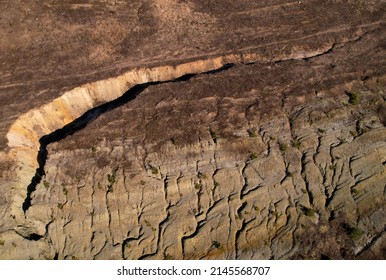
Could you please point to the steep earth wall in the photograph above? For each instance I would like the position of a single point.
(230, 133)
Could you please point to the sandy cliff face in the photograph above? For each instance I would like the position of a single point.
(25, 134)
(250, 172)
(271, 149)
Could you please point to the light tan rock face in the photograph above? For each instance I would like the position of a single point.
(280, 156)
(238, 174)
(25, 134)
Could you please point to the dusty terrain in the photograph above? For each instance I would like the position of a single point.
(258, 131)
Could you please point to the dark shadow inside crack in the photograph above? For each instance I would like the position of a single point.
(70, 129)
(89, 117)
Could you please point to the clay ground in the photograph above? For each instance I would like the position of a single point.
(282, 158)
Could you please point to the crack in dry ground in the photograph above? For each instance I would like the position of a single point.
(246, 224)
(87, 118)
(92, 114)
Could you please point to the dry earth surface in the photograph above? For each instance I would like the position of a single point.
(246, 129)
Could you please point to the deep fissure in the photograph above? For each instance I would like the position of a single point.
(89, 117)
(94, 113)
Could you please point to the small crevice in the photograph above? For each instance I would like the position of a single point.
(34, 237)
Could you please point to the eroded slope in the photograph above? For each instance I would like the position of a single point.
(226, 165)
(245, 163)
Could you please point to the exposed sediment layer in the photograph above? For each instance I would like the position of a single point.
(25, 134)
(259, 164)
(253, 173)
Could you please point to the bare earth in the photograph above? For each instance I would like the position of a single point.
(259, 132)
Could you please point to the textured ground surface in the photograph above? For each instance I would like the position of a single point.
(280, 158)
